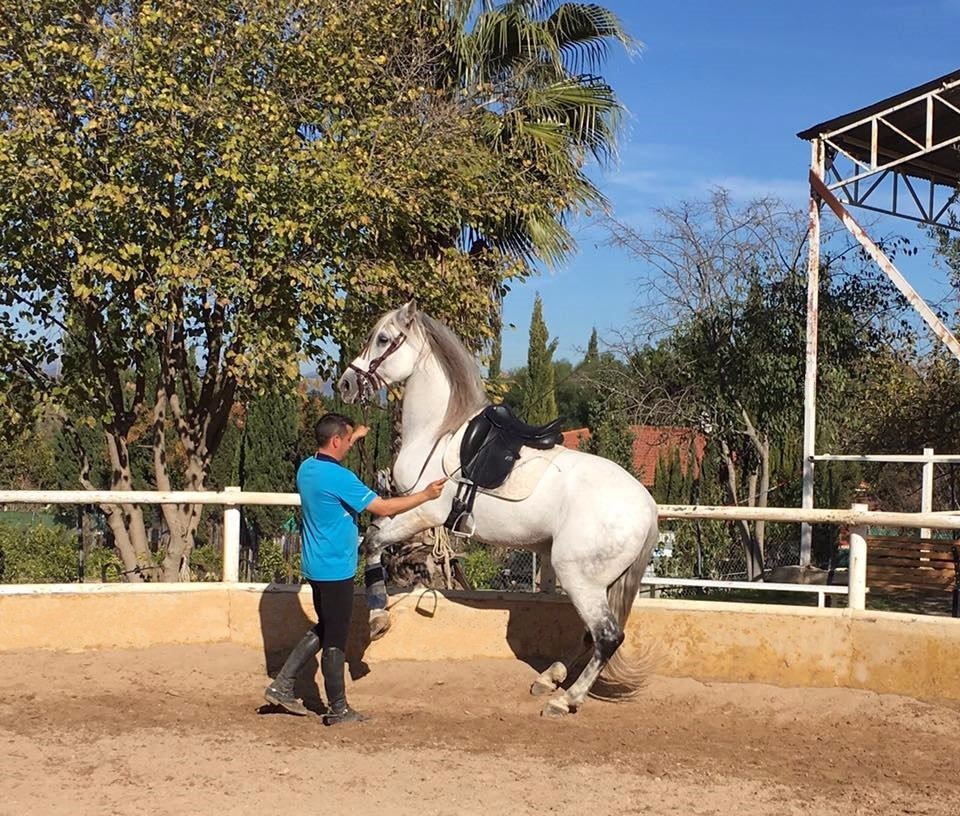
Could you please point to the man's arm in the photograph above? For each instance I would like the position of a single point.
(400, 504)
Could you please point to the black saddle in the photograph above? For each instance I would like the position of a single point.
(490, 447)
(541, 437)
(491, 444)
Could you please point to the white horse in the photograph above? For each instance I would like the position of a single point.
(595, 521)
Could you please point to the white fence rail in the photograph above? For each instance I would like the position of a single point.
(858, 517)
(821, 590)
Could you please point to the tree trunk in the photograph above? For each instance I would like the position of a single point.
(125, 520)
(754, 556)
(121, 539)
(763, 493)
(182, 521)
(761, 444)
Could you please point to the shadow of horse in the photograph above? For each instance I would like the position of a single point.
(540, 627)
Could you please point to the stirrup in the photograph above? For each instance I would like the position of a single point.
(466, 517)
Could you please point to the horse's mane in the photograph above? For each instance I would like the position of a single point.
(467, 396)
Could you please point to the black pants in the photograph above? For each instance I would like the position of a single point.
(333, 602)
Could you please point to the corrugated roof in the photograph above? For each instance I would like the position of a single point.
(942, 166)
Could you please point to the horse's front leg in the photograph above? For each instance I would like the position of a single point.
(386, 531)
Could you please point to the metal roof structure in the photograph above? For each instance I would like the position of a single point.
(901, 157)
(911, 140)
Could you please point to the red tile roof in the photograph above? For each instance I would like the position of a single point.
(650, 444)
(576, 439)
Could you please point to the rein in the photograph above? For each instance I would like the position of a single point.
(426, 461)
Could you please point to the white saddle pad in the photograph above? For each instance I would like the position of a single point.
(529, 469)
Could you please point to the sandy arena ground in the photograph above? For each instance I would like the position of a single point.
(181, 730)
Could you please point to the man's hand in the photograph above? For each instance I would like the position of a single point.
(434, 489)
(358, 433)
(401, 504)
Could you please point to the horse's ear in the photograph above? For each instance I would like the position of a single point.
(407, 313)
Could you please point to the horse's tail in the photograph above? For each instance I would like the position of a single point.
(625, 675)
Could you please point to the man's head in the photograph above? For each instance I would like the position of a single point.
(333, 432)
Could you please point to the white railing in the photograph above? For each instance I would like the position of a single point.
(857, 517)
(821, 590)
(927, 460)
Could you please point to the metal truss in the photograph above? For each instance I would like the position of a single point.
(889, 173)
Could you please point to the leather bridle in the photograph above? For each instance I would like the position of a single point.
(370, 375)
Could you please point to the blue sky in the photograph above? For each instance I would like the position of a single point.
(716, 99)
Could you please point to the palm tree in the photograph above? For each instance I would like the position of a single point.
(530, 68)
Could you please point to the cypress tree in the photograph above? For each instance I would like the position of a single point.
(496, 356)
(593, 349)
(539, 404)
(268, 461)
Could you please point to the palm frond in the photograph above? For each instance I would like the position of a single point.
(584, 33)
(586, 107)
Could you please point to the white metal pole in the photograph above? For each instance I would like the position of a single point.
(857, 580)
(810, 373)
(231, 541)
(926, 491)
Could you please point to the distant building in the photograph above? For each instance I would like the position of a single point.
(651, 443)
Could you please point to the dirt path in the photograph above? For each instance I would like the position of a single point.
(179, 730)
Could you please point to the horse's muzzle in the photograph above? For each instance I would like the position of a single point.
(349, 386)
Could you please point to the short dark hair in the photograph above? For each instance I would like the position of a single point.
(331, 425)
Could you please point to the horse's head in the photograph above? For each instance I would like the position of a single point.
(388, 357)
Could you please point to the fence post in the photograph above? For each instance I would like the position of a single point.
(926, 491)
(231, 540)
(857, 580)
(547, 577)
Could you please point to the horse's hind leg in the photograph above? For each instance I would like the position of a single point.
(550, 680)
(607, 636)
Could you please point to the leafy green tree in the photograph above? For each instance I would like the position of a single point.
(611, 436)
(730, 312)
(199, 196)
(496, 358)
(539, 400)
(543, 105)
(592, 356)
(312, 407)
(37, 555)
(28, 461)
(269, 457)
(528, 74)
(225, 465)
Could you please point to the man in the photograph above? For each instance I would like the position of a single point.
(331, 497)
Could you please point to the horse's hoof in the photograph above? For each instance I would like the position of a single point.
(555, 708)
(542, 686)
(557, 672)
(379, 624)
(549, 681)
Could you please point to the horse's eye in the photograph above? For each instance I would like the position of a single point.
(383, 339)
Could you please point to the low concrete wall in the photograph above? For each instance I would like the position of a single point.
(107, 616)
(791, 646)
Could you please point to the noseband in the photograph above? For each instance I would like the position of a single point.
(370, 376)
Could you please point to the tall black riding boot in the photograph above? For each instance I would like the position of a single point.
(280, 691)
(331, 664)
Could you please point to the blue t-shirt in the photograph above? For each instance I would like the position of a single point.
(331, 497)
